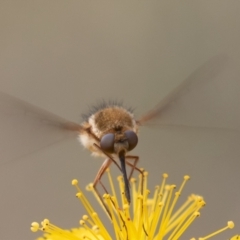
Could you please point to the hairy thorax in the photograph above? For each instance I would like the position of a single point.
(110, 119)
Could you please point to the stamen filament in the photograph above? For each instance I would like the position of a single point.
(230, 225)
(149, 219)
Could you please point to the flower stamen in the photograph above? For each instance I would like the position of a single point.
(149, 219)
(230, 225)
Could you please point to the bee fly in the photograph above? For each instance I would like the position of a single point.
(111, 130)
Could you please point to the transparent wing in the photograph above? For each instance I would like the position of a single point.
(25, 128)
(201, 101)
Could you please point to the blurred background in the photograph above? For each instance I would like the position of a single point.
(64, 56)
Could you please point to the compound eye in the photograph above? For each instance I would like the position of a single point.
(132, 139)
(107, 143)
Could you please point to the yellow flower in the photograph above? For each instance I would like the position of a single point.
(152, 218)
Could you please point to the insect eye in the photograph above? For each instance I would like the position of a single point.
(132, 139)
(107, 143)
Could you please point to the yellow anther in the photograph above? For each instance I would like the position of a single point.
(165, 175)
(89, 187)
(145, 173)
(140, 196)
(177, 194)
(106, 196)
(186, 177)
(236, 237)
(132, 180)
(94, 214)
(46, 221)
(230, 224)
(35, 224)
(82, 222)
(196, 214)
(160, 204)
(119, 178)
(78, 195)
(95, 228)
(34, 227)
(74, 182)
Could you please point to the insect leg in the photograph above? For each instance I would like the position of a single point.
(109, 156)
(99, 175)
(97, 180)
(101, 171)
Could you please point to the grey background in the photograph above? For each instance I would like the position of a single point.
(64, 56)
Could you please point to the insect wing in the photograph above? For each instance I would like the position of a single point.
(26, 128)
(200, 101)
